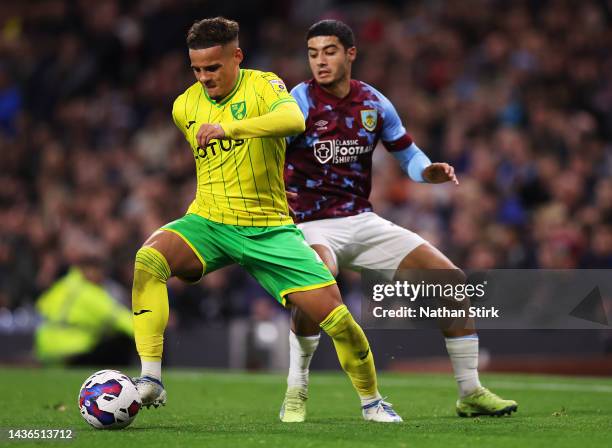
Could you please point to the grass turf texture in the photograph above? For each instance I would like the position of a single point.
(219, 409)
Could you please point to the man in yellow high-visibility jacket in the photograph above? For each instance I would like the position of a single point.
(83, 323)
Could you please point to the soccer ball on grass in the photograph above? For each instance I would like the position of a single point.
(109, 400)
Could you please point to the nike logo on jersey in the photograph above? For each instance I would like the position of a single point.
(138, 313)
(189, 124)
(366, 354)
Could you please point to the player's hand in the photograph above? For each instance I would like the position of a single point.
(207, 132)
(291, 195)
(438, 173)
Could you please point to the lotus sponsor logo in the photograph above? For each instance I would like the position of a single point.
(340, 151)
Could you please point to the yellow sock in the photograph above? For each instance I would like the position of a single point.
(353, 350)
(150, 303)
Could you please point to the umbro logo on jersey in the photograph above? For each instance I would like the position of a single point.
(190, 124)
(321, 125)
(138, 313)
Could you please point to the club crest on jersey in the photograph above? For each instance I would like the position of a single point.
(369, 119)
(324, 151)
(238, 110)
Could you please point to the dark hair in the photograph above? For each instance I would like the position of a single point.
(212, 32)
(333, 28)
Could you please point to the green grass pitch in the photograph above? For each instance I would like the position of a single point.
(227, 409)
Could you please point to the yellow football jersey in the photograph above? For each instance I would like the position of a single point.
(240, 181)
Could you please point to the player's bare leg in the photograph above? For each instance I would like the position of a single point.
(301, 324)
(324, 307)
(461, 345)
(328, 258)
(163, 255)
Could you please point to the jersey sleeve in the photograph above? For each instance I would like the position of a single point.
(178, 113)
(413, 161)
(283, 121)
(300, 93)
(394, 136)
(272, 91)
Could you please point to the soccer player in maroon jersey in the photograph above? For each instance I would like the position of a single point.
(328, 179)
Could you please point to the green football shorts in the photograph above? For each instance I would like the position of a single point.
(278, 257)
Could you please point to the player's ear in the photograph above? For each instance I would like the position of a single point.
(238, 55)
(352, 54)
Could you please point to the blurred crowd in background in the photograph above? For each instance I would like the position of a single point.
(516, 95)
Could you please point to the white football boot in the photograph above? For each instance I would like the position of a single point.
(380, 411)
(151, 391)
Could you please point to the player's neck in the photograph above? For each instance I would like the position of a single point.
(338, 89)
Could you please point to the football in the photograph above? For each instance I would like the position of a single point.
(109, 400)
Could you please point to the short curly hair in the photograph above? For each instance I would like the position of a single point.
(211, 32)
(333, 28)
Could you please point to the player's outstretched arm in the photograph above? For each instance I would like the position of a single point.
(419, 168)
(413, 161)
(285, 120)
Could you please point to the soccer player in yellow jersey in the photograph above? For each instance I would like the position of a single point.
(236, 121)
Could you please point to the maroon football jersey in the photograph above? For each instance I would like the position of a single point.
(329, 166)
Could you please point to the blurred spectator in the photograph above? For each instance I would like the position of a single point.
(517, 95)
(82, 323)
